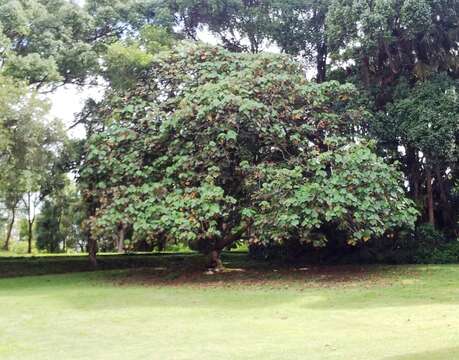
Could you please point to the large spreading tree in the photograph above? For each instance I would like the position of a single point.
(212, 147)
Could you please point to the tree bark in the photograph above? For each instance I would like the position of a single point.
(121, 236)
(365, 68)
(30, 220)
(29, 237)
(430, 200)
(64, 241)
(215, 261)
(10, 229)
(321, 62)
(413, 171)
(92, 251)
(444, 210)
(91, 242)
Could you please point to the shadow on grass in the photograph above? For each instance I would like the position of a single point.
(318, 287)
(328, 287)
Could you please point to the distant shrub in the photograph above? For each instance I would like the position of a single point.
(445, 254)
(179, 248)
(426, 245)
(21, 247)
(428, 236)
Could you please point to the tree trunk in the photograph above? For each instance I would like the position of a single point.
(444, 210)
(91, 242)
(430, 201)
(64, 238)
(29, 237)
(413, 171)
(215, 262)
(9, 231)
(30, 219)
(92, 250)
(321, 62)
(121, 236)
(365, 69)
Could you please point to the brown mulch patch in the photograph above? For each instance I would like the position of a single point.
(346, 276)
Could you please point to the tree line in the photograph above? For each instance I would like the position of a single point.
(210, 145)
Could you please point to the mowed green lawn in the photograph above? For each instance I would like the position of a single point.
(393, 313)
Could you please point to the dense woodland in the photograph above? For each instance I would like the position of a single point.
(319, 129)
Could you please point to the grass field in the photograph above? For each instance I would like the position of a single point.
(177, 312)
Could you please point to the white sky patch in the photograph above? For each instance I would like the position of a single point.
(204, 35)
(68, 101)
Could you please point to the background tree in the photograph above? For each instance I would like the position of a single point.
(55, 42)
(30, 146)
(390, 40)
(404, 57)
(296, 27)
(49, 235)
(127, 59)
(19, 111)
(425, 121)
(59, 224)
(46, 44)
(23, 227)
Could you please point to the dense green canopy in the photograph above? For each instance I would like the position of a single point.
(52, 42)
(213, 146)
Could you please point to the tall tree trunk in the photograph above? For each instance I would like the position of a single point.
(10, 229)
(92, 250)
(365, 69)
(30, 221)
(64, 237)
(121, 236)
(430, 200)
(445, 209)
(91, 242)
(413, 171)
(321, 62)
(29, 237)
